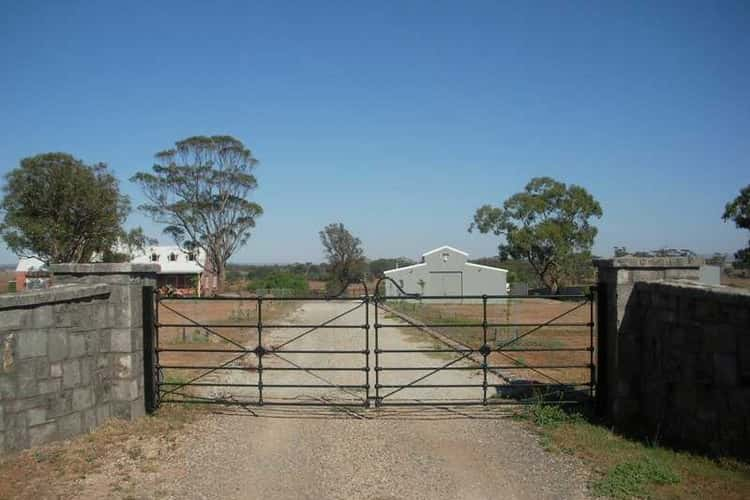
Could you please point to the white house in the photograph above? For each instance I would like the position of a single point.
(180, 270)
(26, 271)
(445, 272)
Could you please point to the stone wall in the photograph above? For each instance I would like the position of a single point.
(674, 355)
(72, 354)
(616, 279)
(684, 374)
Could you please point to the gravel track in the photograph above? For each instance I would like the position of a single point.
(432, 452)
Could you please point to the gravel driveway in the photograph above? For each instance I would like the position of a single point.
(432, 452)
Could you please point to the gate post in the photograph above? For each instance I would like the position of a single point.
(149, 359)
(603, 291)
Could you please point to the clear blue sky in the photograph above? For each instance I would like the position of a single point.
(401, 118)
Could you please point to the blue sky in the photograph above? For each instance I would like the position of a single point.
(401, 118)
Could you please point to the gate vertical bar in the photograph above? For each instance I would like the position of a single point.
(149, 366)
(259, 351)
(592, 369)
(485, 349)
(157, 348)
(367, 350)
(602, 322)
(377, 354)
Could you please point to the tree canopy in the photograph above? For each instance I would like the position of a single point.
(377, 267)
(738, 210)
(343, 251)
(59, 209)
(200, 189)
(548, 224)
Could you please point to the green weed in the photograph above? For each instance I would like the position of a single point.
(634, 478)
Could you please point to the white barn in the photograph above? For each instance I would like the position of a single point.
(444, 272)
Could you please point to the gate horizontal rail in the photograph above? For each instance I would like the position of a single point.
(541, 379)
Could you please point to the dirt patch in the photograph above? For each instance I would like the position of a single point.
(210, 324)
(522, 345)
(5, 277)
(120, 454)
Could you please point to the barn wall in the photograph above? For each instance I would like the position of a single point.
(437, 275)
(484, 281)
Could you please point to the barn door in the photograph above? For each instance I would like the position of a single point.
(450, 284)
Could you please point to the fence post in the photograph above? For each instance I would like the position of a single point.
(149, 367)
(602, 368)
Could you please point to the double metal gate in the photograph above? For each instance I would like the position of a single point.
(385, 350)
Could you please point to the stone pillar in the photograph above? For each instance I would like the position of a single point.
(616, 278)
(125, 322)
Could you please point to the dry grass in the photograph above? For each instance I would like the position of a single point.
(5, 277)
(517, 340)
(199, 316)
(735, 281)
(51, 471)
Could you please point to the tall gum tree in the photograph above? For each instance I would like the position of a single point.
(548, 224)
(200, 189)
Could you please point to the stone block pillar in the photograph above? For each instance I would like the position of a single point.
(616, 279)
(125, 324)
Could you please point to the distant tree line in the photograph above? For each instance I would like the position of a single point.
(373, 269)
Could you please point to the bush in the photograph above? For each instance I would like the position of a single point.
(548, 415)
(281, 280)
(633, 478)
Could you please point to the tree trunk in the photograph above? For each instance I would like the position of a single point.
(220, 270)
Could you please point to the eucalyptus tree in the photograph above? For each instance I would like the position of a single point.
(345, 256)
(59, 209)
(200, 189)
(548, 224)
(738, 211)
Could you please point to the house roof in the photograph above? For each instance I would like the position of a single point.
(181, 264)
(27, 264)
(445, 247)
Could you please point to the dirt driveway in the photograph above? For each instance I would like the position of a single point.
(432, 452)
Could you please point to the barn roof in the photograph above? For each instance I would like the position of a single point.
(486, 267)
(445, 247)
(404, 268)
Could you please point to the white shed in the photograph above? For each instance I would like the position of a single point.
(445, 272)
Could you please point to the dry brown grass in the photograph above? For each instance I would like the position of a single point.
(51, 471)
(199, 316)
(516, 353)
(735, 281)
(5, 277)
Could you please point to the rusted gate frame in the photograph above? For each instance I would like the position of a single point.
(166, 389)
(157, 391)
(465, 351)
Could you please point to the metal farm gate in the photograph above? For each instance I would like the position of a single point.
(370, 350)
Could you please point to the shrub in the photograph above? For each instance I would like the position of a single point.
(632, 478)
(281, 280)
